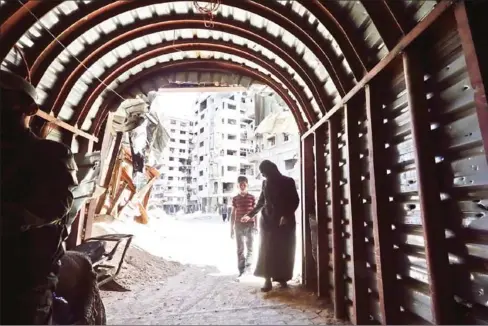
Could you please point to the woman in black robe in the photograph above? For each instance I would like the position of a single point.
(278, 202)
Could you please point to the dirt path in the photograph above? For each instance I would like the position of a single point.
(198, 296)
(201, 286)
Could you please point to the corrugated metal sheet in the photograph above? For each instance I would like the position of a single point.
(89, 80)
(350, 196)
(462, 173)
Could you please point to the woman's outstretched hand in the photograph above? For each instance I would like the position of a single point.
(245, 219)
(282, 221)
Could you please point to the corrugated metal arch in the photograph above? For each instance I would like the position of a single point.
(309, 78)
(194, 45)
(285, 19)
(110, 103)
(324, 29)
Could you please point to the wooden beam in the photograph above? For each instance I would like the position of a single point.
(46, 116)
(108, 165)
(75, 236)
(420, 28)
(337, 240)
(321, 213)
(355, 213)
(90, 217)
(433, 223)
(382, 233)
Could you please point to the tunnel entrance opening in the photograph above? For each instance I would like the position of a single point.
(190, 198)
(389, 99)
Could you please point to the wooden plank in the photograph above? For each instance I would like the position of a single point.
(109, 162)
(76, 231)
(116, 200)
(420, 28)
(355, 214)
(308, 207)
(46, 116)
(321, 213)
(385, 272)
(337, 243)
(433, 224)
(90, 217)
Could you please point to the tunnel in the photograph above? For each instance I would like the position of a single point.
(389, 98)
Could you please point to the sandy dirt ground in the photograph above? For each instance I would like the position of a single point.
(182, 270)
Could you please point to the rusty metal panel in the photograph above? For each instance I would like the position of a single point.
(308, 208)
(357, 204)
(339, 249)
(462, 172)
(322, 241)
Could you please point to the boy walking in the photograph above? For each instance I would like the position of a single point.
(242, 226)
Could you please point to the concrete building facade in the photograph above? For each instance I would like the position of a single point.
(224, 123)
(172, 188)
(210, 149)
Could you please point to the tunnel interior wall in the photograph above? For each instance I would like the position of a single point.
(400, 187)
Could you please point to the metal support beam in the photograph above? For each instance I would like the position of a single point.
(321, 215)
(308, 207)
(339, 24)
(383, 244)
(390, 30)
(65, 125)
(337, 240)
(355, 213)
(433, 224)
(418, 30)
(470, 24)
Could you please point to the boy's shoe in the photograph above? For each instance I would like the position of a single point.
(247, 269)
(268, 286)
(241, 273)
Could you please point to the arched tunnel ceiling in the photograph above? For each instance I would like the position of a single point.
(84, 56)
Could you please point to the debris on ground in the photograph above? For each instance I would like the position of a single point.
(139, 268)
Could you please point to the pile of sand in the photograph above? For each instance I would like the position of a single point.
(139, 268)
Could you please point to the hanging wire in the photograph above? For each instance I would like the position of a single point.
(26, 65)
(69, 52)
(209, 10)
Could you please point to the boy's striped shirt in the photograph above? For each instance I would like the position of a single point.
(243, 204)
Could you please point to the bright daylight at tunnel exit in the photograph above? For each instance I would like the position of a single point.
(293, 162)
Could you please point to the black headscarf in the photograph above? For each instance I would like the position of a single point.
(269, 170)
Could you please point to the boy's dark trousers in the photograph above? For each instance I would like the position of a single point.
(244, 238)
(224, 217)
